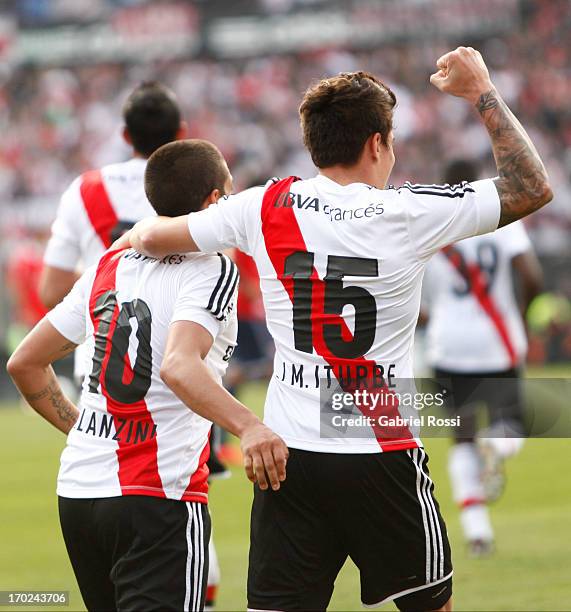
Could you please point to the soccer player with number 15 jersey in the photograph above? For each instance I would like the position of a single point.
(341, 260)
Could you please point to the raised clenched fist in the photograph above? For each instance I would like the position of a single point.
(462, 73)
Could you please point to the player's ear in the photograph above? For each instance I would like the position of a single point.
(375, 145)
(212, 198)
(127, 136)
(182, 131)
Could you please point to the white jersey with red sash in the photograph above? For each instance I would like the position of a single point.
(96, 209)
(341, 271)
(134, 436)
(475, 323)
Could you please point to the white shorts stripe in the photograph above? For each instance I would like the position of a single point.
(189, 557)
(201, 559)
(438, 528)
(196, 564)
(431, 518)
(196, 560)
(414, 456)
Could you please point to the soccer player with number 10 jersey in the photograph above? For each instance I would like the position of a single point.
(158, 335)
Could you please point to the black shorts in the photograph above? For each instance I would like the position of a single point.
(377, 509)
(137, 553)
(499, 392)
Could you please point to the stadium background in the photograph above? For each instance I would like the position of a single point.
(239, 69)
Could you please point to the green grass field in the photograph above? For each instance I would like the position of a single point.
(530, 571)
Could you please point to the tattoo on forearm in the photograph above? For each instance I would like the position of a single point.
(62, 405)
(34, 397)
(487, 101)
(68, 346)
(64, 408)
(522, 184)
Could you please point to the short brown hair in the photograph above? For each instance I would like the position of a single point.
(181, 175)
(339, 114)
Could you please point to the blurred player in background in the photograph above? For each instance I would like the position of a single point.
(476, 339)
(100, 205)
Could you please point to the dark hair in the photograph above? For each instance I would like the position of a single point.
(182, 174)
(461, 170)
(339, 114)
(152, 117)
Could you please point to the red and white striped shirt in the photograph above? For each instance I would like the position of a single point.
(341, 270)
(475, 322)
(134, 436)
(96, 209)
(97, 205)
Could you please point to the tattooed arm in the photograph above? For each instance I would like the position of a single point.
(522, 182)
(30, 368)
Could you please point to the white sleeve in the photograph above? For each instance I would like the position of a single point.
(208, 292)
(69, 317)
(234, 221)
(514, 239)
(439, 215)
(64, 247)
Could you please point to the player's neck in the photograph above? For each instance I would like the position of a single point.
(359, 173)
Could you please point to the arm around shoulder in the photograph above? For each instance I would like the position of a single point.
(161, 236)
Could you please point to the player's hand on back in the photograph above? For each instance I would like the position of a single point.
(265, 456)
(462, 73)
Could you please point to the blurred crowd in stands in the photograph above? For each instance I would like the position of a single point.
(58, 122)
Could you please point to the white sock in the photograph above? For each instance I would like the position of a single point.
(476, 524)
(465, 469)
